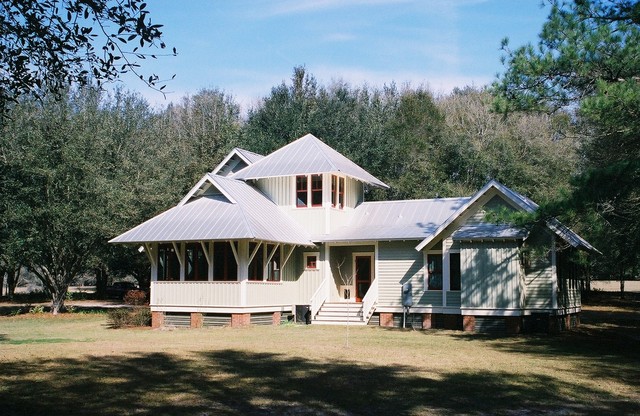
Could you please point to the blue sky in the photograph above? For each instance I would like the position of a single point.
(247, 47)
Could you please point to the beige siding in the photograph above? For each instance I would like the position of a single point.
(399, 262)
(195, 293)
(453, 298)
(429, 298)
(490, 275)
(302, 283)
(540, 279)
(539, 283)
(496, 203)
(354, 192)
(313, 219)
(277, 189)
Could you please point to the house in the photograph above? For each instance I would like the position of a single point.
(261, 238)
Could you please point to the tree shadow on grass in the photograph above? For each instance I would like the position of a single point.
(605, 347)
(232, 382)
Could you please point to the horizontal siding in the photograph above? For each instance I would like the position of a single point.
(453, 298)
(430, 298)
(539, 284)
(490, 275)
(399, 262)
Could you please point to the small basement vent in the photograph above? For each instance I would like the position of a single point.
(215, 320)
(177, 319)
(261, 319)
(375, 320)
(491, 325)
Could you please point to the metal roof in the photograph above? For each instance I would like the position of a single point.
(229, 209)
(519, 200)
(489, 231)
(305, 156)
(236, 159)
(395, 220)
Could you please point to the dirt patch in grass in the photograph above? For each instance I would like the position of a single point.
(75, 365)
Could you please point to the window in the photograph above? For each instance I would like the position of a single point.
(316, 190)
(224, 263)
(301, 191)
(168, 264)
(434, 271)
(337, 192)
(311, 261)
(334, 190)
(196, 266)
(454, 271)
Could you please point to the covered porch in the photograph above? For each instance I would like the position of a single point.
(350, 277)
(222, 276)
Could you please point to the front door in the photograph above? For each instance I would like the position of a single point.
(363, 264)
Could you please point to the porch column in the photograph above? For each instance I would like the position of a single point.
(152, 252)
(210, 270)
(243, 269)
(327, 270)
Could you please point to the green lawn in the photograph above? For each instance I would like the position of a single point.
(73, 364)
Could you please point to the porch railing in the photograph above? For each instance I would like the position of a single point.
(369, 301)
(195, 293)
(319, 297)
(224, 294)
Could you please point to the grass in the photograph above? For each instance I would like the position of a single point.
(73, 364)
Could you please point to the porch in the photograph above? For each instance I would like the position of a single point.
(348, 292)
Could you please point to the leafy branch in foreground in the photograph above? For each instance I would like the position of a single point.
(49, 45)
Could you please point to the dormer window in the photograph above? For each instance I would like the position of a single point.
(301, 191)
(316, 190)
(309, 188)
(337, 192)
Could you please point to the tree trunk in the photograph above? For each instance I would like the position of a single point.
(101, 282)
(621, 282)
(13, 276)
(57, 302)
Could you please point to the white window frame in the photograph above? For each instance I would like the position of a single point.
(315, 254)
(426, 270)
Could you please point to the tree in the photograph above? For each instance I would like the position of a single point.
(535, 153)
(587, 60)
(49, 45)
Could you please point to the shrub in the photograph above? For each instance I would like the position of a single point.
(135, 297)
(125, 317)
(38, 309)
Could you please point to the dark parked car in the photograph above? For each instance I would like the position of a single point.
(119, 289)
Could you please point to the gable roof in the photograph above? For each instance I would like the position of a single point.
(236, 159)
(305, 156)
(395, 220)
(518, 200)
(226, 209)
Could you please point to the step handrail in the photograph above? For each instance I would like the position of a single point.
(369, 301)
(319, 297)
